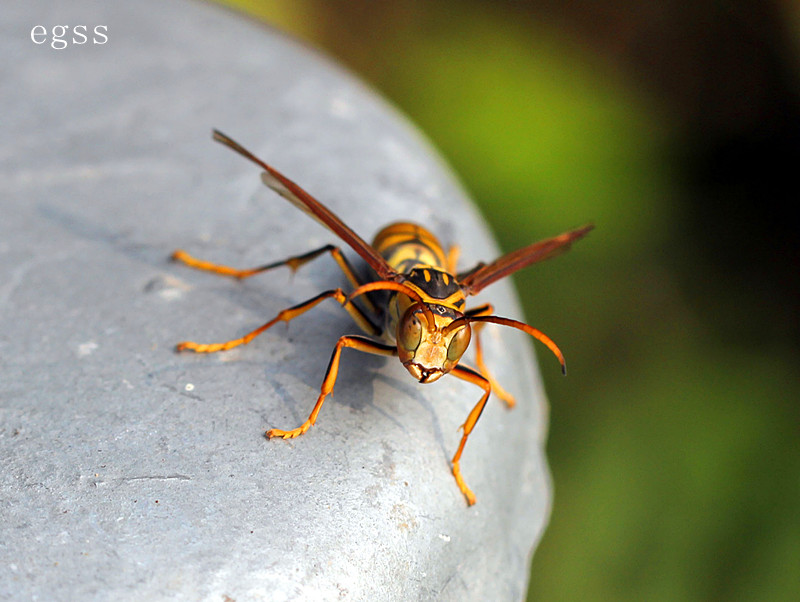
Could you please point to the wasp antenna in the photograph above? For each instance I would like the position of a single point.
(386, 285)
(457, 323)
(389, 285)
(428, 315)
(526, 328)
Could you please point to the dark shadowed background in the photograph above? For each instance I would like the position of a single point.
(675, 128)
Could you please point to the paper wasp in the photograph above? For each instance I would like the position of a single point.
(421, 318)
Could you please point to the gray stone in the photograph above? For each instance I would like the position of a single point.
(132, 472)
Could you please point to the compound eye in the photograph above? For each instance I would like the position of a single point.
(459, 343)
(410, 332)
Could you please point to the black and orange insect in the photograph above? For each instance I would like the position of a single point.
(421, 317)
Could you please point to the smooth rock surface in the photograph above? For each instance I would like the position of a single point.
(132, 472)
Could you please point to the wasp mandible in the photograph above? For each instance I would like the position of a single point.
(421, 318)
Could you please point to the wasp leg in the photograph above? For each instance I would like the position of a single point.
(360, 317)
(452, 258)
(472, 376)
(292, 263)
(485, 310)
(354, 342)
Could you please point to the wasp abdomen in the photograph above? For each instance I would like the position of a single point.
(405, 246)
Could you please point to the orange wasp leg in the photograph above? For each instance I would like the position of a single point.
(452, 258)
(285, 316)
(293, 263)
(486, 310)
(471, 376)
(354, 342)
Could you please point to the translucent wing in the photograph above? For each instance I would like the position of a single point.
(484, 275)
(308, 204)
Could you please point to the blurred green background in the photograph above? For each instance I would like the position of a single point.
(675, 128)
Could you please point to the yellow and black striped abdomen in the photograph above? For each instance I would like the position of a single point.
(406, 246)
(417, 254)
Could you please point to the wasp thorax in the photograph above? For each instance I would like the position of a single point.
(426, 345)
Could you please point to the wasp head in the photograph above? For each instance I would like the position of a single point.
(431, 340)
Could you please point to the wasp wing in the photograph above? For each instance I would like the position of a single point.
(308, 204)
(484, 275)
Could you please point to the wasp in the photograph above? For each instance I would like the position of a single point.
(413, 308)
